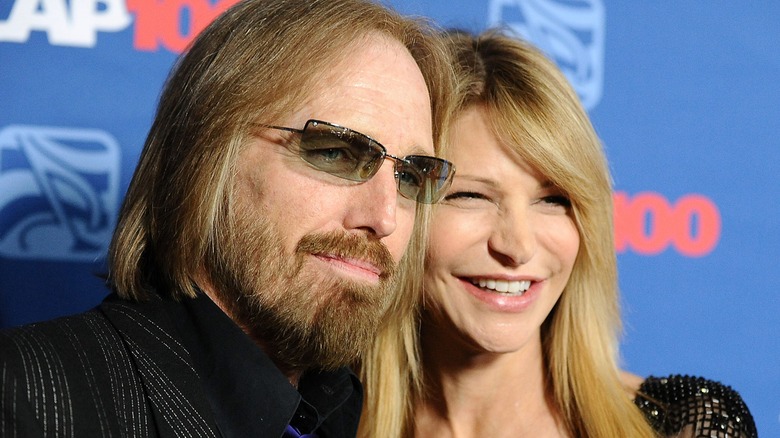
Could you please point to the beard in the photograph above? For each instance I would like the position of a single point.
(302, 317)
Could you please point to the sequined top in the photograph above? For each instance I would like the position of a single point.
(691, 407)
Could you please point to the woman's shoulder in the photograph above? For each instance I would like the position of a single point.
(681, 404)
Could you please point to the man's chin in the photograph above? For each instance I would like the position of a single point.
(345, 326)
(330, 330)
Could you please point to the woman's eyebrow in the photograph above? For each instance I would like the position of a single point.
(478, 179)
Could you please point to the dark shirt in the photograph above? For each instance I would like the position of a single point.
(249, 395)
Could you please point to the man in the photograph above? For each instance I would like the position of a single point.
(262, 238)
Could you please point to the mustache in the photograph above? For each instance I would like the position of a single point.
(349, 246)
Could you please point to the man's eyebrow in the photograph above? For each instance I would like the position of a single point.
(418, 150)
(415, 149)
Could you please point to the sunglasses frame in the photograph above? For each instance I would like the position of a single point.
(429, 191)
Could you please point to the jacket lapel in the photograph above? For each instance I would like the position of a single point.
(171, 384)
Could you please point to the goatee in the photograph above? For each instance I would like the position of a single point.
(303, 317)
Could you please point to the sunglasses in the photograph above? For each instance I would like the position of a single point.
(351, 155)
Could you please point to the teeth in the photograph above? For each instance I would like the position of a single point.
(503, 286)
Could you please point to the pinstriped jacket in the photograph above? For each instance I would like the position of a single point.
(137, 380)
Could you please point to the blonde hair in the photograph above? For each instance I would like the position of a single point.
(255, 63)
(533, 109)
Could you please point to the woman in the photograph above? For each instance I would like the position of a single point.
(519, 323)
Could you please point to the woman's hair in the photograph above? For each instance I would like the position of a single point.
(532, 109)
(258, 62)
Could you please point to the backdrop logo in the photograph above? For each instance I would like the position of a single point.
(172, 23)
(169, 24)
(648, 224)
(59, 191)
(571, 32)
(66, 23)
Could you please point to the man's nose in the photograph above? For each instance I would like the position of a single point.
(374, 204)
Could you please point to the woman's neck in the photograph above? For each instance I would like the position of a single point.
(477, 393)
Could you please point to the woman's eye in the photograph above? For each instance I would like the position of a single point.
(464, 195)
(557, 200)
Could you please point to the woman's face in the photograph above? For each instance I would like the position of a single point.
(502, 246)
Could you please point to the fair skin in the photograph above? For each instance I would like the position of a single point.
(377, 90)
(501, 226)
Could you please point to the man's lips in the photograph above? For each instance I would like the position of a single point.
(358, 267)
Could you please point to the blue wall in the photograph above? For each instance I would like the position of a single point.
(683, 93)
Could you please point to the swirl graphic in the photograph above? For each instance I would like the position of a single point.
(59, 190)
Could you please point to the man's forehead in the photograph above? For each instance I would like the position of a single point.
(378, 91)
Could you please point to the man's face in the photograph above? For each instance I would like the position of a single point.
(310, 266)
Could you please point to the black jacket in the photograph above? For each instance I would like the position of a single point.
(123, 369)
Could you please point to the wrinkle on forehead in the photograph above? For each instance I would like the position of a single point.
(367, 89)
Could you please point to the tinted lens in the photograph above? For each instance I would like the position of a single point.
(340, 151)
(424, 179)
(354, 156)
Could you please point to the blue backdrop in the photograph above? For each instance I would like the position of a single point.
(683, 93)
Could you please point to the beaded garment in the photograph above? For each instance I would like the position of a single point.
(692, 407)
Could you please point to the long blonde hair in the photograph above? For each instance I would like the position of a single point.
(256, 63)
(533, 109)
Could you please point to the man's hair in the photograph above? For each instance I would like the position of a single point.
(255, 63)
(533, 110)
